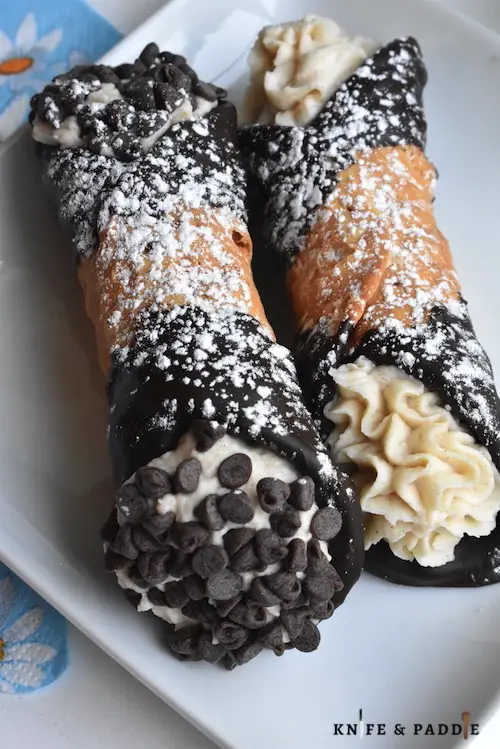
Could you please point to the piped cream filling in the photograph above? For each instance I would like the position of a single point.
(295, 68)
(424, 483)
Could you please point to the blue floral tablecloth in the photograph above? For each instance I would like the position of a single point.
(38, 40)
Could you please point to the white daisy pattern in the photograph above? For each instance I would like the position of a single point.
(25, 67)
(34, 48)
(26, 663)
(24, 62)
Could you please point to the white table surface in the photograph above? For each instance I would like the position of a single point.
(97, 704)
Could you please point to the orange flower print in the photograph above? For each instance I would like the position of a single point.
(24, 68)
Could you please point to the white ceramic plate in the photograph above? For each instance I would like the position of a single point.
(402, 655)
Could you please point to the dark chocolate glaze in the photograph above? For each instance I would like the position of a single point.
(188, 363)
(90, 187)
(151, 407)
(149, 90)
(296, 168)
(461, 374)
(289, 162)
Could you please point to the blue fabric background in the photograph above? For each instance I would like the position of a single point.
(33, 644)
(86, 36)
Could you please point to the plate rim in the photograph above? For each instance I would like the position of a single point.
(11, 549)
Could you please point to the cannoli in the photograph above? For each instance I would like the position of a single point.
(399, 386)
(230, 522)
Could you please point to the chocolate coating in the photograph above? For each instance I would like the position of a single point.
(388, 89)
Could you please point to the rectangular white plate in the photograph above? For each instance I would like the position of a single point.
(402, 655)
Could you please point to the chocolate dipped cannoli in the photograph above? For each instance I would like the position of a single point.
(400, 388)
(230, 523)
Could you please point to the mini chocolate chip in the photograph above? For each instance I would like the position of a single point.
(90, 79)
(322, 585)
(149, 54)
(236, 506)
(271, 637)
(136, 578)
(236, 539)
(316, 559)
(180, 564)
(144, 541)
(247, 652)
(235, 470)
(284, 584)
(272, 494)
(123, 543)
(166, 97)
(85, 118)
(187, 475)
(188, 70)
(156, 72)
(139, 92)
(121, 116)
(133, 597)
(147, 123)
(230, 635)
(105, 74)
(297, 555)
(185, 641)
(131, 504)
(245, 559)
(208, 513)
(326, 523)
(220, 92)
(114, 561)
(157, 597)
(201, 611)
(194, 587)
(250, 615)
(209, 651)
(302, 493)
(175, 595)
(260, 593)
(110, 528)
(171, 57)
(293, 621)
(224, 585)
(324, 610)
(189, 536)
(50, 113)
(270, 547)
(209, 560)
(126, 147)
(95, 144)
(206, 434)
(229, 662)
(124, 71)
(159, 525)
(293, 601)
(98, 129)
(286, 523)
(205, 90)
(224, 607)
(177, 78)
(153, 567)
(309, 638)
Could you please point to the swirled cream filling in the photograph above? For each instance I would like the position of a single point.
(295, 68)
(424, 483)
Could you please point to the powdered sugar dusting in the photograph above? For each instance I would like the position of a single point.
(297, 167)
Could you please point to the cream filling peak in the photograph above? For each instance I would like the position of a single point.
(69, 135)
(264, 463)
(424, 483)
(295, 68)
